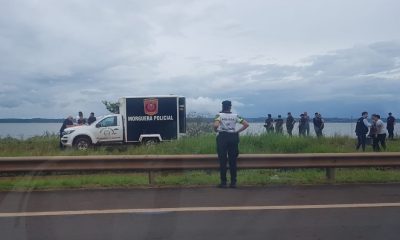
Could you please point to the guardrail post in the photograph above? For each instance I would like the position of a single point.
(330, 174)
(152, 177)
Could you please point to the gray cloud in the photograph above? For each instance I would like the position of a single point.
(60, 57)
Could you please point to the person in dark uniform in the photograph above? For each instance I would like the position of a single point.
(290, 123)
(81, 120)
(362, 128)
(318, 124)
(390, 122)
(269, 124)
(91, 118)
(306, 119)
(279, 125)
(68, 122)
(228, 141)
(302, 125)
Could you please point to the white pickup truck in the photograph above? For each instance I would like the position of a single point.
(141, 120)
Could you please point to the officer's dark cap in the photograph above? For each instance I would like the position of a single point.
(227, 103)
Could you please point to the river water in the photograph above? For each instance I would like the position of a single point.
(26, 130)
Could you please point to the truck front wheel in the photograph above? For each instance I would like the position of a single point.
(82, 143)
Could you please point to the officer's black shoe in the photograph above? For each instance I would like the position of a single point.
(222, 185)
(233, 185)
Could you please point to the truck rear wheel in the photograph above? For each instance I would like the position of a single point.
(82, 143)
(150, 141)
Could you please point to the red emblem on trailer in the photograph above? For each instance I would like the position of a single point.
(151, 106)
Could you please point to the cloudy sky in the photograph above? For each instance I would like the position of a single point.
(338, 57)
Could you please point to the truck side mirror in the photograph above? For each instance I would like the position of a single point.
(98, 125)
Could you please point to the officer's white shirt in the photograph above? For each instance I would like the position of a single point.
(380, 127)
(228, 122)
(366, 123)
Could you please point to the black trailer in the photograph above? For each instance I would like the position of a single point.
(161, 118)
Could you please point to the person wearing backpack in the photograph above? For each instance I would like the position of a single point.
(362, 128)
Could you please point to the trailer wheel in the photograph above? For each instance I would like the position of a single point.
(82, 143)
(150, 141)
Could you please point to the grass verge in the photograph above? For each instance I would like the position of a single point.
(196, 178)
(204, 144)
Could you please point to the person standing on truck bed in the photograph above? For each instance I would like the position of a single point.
(228, 142)
(68, 122)
(80, 120)
(91, 118)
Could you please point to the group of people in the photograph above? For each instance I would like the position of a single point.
(375, 131)
(228, 135)
(276, 125)
(80, 120)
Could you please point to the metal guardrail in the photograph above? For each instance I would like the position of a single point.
(151, 163)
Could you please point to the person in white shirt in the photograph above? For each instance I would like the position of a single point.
(380, 136)
(228, 141)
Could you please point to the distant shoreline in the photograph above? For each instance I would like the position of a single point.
(30, 120)
(253, 120)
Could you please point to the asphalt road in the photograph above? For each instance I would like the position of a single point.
(199, 213)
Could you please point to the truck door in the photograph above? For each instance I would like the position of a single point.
(109, 130)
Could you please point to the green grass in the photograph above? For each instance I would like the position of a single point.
(205, 144)
(196, 178)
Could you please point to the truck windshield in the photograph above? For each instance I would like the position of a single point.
(108, 122)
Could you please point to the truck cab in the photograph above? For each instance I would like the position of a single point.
(108, 129)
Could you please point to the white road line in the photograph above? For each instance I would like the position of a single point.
(196, 209)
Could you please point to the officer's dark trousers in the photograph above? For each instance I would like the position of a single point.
(228, 151)
(362, 139)
(380, 138)
(289, 130)
(391, 132)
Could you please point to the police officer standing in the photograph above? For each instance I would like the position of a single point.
(362, 128)
(228, 141)
(279, 125)
(390, 122)
(318, 124)
(269, 124)
(290, 123)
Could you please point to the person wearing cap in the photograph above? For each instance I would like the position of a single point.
(228, 141)
(269, 124)
(68, 122)
(290, 123)
(318, 124)
(91, 118)
(390, 122)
